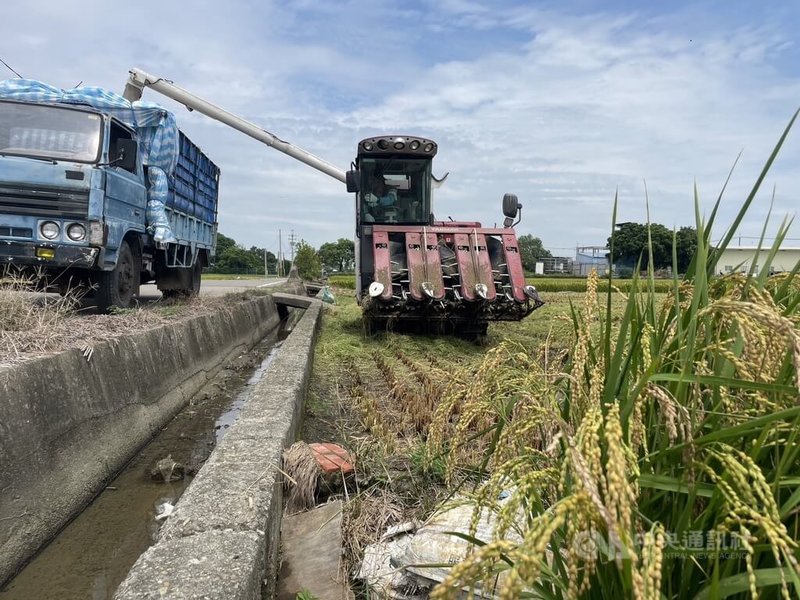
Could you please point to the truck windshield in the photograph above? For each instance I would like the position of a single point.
(43, 131)
(395, 190)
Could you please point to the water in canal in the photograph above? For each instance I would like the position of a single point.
(93, 554)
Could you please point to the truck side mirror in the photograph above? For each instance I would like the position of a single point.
(352, 181)
(127, 150)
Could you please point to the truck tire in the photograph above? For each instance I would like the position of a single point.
(119, 286)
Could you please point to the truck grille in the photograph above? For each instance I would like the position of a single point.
(44, 202)
(22, 232)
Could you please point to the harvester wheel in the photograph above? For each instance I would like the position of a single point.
(472, 331)
(374, 325)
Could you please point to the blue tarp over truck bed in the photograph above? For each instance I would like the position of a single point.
(193, 191)
(180, 176)
(194, 188)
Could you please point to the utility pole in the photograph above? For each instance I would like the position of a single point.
(280, 255)
(291, 243)
(266, 271)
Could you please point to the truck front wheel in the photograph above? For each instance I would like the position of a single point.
(119, 286)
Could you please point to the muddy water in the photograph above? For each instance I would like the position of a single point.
(93, 554)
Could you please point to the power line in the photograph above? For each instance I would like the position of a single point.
(292, 243)
(10, 69)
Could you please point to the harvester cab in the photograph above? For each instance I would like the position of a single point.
(416, 273)
(412, 272)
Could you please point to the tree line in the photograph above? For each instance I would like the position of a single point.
(235, 258)
(630, 243)
(231, 257)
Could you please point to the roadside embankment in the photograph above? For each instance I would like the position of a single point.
(222, 539)
(70, 421)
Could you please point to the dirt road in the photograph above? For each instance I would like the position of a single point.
(213, 287)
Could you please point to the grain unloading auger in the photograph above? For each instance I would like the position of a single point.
(412, 271)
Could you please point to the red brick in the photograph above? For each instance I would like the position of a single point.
(332, 457)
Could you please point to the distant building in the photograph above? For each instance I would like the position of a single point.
(591, 257)
(556, 265)
(740, 258)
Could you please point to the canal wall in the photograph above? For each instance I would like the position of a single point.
(222, 540)
(70, 421)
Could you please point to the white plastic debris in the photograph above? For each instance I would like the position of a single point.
(391, 567)
(164, 510)
(385, 579)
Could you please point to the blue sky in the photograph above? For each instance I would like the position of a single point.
(562, 103)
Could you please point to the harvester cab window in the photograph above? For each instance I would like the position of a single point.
(395, 190)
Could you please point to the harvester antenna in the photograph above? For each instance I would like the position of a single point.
(11, 69)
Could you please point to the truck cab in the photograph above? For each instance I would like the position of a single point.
(74, 204)
(63, 170)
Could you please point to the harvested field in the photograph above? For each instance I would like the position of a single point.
(425, 416)
(377, 396)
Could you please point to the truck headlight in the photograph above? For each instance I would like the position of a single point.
(49, 229)
(76, 232)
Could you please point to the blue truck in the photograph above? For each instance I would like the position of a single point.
(84, 200)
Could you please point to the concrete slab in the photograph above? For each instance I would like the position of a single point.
(238, 491)
(293, 300)
(224, 565)
(311, 544)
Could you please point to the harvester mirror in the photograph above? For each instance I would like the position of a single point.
(399, 182)
(352, 181)
(511, 206)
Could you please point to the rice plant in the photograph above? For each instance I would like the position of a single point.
(658, 458)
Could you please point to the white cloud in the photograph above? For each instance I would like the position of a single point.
(563, 110)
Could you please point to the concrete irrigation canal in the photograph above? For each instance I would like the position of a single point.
(188, 421)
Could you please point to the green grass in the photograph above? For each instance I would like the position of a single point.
(347, 282)
(578, 284)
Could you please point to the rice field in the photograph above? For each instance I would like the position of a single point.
(645, 443)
